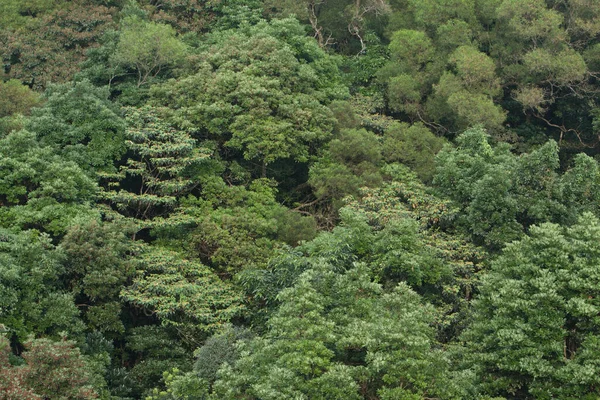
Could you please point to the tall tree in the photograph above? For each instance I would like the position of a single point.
(534, 333)
(259, 89)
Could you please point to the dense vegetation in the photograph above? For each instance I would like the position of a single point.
(310, 199)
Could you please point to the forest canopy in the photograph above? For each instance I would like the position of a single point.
(312, 199)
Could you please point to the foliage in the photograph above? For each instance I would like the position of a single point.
(182, 293)
(38, 188)
(97, 265)
(31, 295)
(501, 194)
(338, 335)
(16, 98)
(147, 48)
(259, 89)
(534, 329)
(54, 370)
(164, 165)
(48, 47)
(81, 124)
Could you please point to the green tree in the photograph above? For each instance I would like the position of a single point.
(534, 330)
(501, 194)
(182, 293)
(259, 89)
(414, 146)
(352, 160)
(81, 124)
(338, 335)
(98, 264)
(32, 297)
(38, 188)
(165, 164)
(148, 48)
(16, 98)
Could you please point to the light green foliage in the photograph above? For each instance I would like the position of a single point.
(259, 89)
(180, 386)
(534, 330)
(16, 98)
(182, 293)
(147, 47)
(530, 20)
(467, 95)
(396, 231)
(564, 68)
(31, 299)
(460, 97)
(430, 14)
(38, 188)
(81, 124)
(455, 64)
(338, 335)
(409, 70)
(501, 194)
(165, 165)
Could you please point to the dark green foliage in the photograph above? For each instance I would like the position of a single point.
(218, 350)
(153, 350)
(353, 161)
(48, 39)
(235, 227)
(32, 299)
(98, 265)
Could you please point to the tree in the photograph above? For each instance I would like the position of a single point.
(38, 188)
(534, 329)
(182, 293)
(258, 89)
(49, 47)
(413, 145)
(352, 161)
(165, 165)
(338, 335)
(52, 370)
(148, 48)
(82, 125)
(16, 98)
(32, 297)
(98, 265)
(500, 194)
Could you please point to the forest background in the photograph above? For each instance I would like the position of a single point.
(311, 199)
